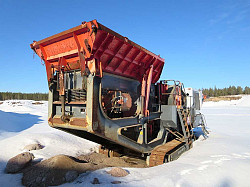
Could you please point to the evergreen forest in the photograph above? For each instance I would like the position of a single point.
(231, 90)
(23, 96)
(209, 92)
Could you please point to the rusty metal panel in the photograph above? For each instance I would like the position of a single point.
(91, 40)
(78, 122)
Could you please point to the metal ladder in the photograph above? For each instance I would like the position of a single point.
(187, 132)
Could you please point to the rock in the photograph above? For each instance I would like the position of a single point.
(71, 176)
(18, 162)
(54, 171)
(96, 181)
(31, 147)
(116, 182)
(118, 172)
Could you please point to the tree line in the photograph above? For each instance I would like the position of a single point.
(210, 92)
(23, 96)
(231, 90)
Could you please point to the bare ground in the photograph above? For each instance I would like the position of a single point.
(223, 98)
(61, 168)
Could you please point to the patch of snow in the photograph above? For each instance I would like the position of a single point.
(223, 159)
(23, 124)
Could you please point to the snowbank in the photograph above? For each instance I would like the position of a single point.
(243, 102)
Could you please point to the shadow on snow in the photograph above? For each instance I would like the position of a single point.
(15, 122)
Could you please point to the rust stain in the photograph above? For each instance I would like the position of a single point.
(56, 120)
(81, 122)
(78, 122)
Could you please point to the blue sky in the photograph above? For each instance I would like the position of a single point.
(204, 43)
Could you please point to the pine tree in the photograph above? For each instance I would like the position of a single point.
(246, 90)
(239, 90)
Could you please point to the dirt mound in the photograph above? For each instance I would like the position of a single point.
(61, 169)
(103, 160)
(54, 171)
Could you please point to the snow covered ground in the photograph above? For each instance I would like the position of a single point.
(23, 123)
(223, 159)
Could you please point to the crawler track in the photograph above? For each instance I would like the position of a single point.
(162, 154)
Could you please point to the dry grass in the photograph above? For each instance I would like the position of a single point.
(223, 98)
(37, 103)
